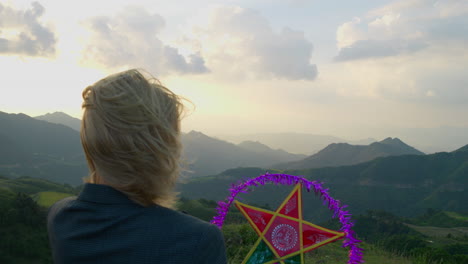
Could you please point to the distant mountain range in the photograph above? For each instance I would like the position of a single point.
(35, 136)
(405, 185)
(428, 140)
(339, 154)
(205, 155)
(31, 147)
(295, 142)
(38, 148)
(61, 118)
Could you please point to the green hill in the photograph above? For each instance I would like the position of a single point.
(30, 186)
(404, 185)
(23, 210)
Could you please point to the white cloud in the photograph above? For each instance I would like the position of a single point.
(403, 27)
(21, 32)
(240, 42)
(348, 33)
(433, 76)
(130, 39)
(412, 51)
(399, 6)
(449, 8)
(378, 48)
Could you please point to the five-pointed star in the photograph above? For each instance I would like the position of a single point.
(284, 236)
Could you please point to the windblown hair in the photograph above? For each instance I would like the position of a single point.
(130, 133)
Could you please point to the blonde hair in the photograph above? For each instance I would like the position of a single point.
(130, 134)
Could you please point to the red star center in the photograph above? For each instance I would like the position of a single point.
(284, 236)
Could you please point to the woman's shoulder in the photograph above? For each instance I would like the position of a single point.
(202, 240)
(179, 223)
(59, 205)
(177, 217)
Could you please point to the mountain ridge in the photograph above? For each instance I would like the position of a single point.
(338, 154)
(32, 147)
(61, 118)
(38, 148)
(206, 155)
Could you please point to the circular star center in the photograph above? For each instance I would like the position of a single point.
(284, 237)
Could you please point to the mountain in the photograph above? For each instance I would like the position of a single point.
(365, 141)
(434, 139)
(37, 148)
(338, 154)
(61, 118)
(11, 151)
(205, 155)
(405, 185)
(263, 149)
(41, 137)
(462, 149)
(31, 147)
(301, 143)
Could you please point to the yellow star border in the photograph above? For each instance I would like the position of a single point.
(276, 246)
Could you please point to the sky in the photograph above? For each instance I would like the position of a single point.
(353, 69)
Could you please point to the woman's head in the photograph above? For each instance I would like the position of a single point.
(130, 135)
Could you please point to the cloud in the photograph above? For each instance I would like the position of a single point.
(130, 39)
(433, 76)
(21, 32)
(241, 42)
(403, 27)
(369, 48)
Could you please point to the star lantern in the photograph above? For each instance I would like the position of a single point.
(284, 236)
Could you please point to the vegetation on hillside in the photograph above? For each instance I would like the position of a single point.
(403, 185)
(23, 236)
(429, 238)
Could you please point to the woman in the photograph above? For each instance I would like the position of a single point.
(130, 134)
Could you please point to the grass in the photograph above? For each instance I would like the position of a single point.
(46, 199)
(432, 231)
(457, 216)
(335, 254)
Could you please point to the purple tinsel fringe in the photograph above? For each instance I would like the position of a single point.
(350, 241)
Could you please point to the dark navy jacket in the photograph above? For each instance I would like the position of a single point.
(103, 226)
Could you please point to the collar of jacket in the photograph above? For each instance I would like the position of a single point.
(103, 194)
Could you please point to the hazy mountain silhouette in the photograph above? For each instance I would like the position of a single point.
(206, 155)
(338, 154)
(302, 143)
(260, 148)
(36, 136)
(61, 118)
(11, 152)
(434, 139)
(462, 149)
(36, 148)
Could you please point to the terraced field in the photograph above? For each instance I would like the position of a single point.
(46, 199)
